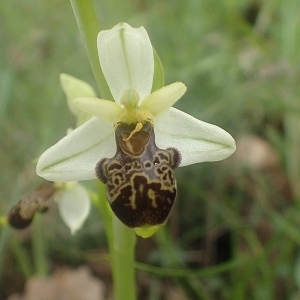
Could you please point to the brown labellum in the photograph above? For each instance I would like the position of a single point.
(140, 181)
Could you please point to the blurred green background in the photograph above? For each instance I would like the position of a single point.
(237, 219)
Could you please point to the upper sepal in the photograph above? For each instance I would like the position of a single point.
(126, 59)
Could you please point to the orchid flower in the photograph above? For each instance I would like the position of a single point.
(138, 127)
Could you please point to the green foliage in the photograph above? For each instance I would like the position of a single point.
(234, 231)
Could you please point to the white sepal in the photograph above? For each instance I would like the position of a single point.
(126, 59)
(75, 156)
(196, 140)
(74, 205)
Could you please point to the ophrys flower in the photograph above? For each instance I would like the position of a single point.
(141, 131)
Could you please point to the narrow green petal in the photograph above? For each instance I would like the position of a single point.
(161, 100)
(197, 141)
(75, 156)
(103, 109)
(75, 88)
(126, 59)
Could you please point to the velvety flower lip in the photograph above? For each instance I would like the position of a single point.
(127, 61)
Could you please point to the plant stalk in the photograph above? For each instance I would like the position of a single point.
(88, 24)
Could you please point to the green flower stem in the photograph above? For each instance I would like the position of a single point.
(4, 238)
(105, 212)
(121, 242)
(22, 257)
(39, 248)
(290, 44)
(123, 261)
(89, 28)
